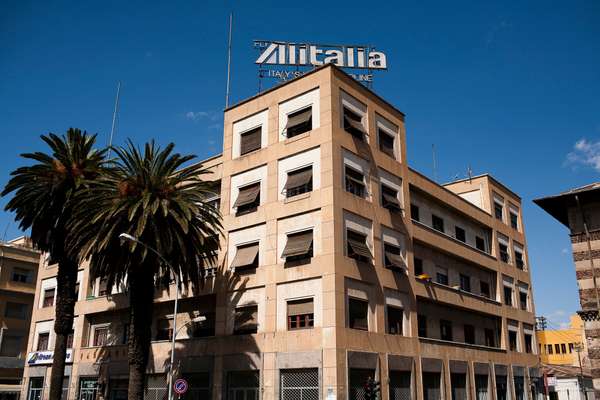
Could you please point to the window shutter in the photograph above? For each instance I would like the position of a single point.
(299, 118)
(245, 256)
(298, 244)
(246, 318)
(251, 140)
(300, 307)
(298, 178)
(247, 195)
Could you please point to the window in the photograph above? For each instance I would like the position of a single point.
(43, 341)
(36, 388)
(242, 385)
(481, 386)
(248, 199)
(300, 314)
(299, 246)
(512, 340)
(246, 320)
(355, 182)
(418, 266)
(523, 300)
(498, 210)
(465, 283)
(490, 337)
(389, 199)
(204, 328)
(21, 275)
(445, 330)
(460, 234)
(469, 331)
(557, 348)
(358, 311)
(298, 384)
(250, 140)
(432, 386)
(48, 297)
(441, 276)
(437, 223)
(508, 294)
(484, 289)
(414, 212)
(563, 348)
(514, 220)
(458, 383)
(88, 388)
(386, 142)
(299, 122)
(550, 350)
(12, 343)
(103, 287)
(16, 310)
(528, 343)
(392, 257)
(100, 337)
(503, 252)
(298, 181)
(394, 320)
(571, 347)
(422, 325)
(479, 243)
(357, 246)
(246, 257)
(399, 385)
(519, 260)
(70, 339)
(353, 124)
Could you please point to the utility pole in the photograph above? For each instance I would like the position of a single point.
(578, 347)
(541, 323)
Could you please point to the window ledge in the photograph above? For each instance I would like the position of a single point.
(297, 137)
(461, 344)
(452, 238)
(300, 196)
(460, 291)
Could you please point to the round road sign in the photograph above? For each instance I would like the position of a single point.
(180, 386)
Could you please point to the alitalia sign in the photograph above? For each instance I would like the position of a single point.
(287, 54)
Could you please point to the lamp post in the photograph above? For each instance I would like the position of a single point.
(126, 236)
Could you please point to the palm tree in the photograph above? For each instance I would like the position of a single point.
(152, 196)
(43, 201)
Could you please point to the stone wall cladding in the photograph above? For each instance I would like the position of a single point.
(587, 273)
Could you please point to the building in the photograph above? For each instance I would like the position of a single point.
(563, 346)
(568, 382)
(579, 210)
(339, 262)
(18, 274)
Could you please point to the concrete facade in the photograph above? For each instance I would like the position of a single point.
(18, 277)
(359, 318)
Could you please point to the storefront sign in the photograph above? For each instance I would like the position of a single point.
(46, 357)
(551, 380)
(298, 54)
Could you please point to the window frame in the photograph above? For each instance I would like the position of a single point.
(352, 315)
(437, 223)
(246, 133)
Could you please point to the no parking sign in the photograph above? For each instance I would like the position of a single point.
(180, 386)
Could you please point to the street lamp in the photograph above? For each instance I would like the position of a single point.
(126, 236)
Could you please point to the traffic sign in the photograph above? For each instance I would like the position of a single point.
(180, 386)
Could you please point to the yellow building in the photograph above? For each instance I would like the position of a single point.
(560, 346)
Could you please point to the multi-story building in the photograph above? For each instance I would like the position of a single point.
(338, 263)
(563, 346)
(579, 210)
(18, 272)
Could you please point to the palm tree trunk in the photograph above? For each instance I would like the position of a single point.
(141, 292)
(66, 280)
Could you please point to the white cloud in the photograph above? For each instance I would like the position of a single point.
(565, 251)
(585, 153)
(202, 115)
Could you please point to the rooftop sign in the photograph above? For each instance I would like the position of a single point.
(289, 55)
(285, 53)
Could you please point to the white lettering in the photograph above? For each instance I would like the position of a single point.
(334, 57)
(377, 60)
(314, 52)
(268, 55)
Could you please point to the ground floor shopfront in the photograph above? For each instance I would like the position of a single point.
(292, 376)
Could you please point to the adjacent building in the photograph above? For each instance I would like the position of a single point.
(579, 210)
(564, 346)
(339, 262)
(568, 382)
(18, 274)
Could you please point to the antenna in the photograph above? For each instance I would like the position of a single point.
(228, 60)
(434, 162)
(469, 173)
(114, 118)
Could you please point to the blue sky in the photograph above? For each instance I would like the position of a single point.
(510, 88)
